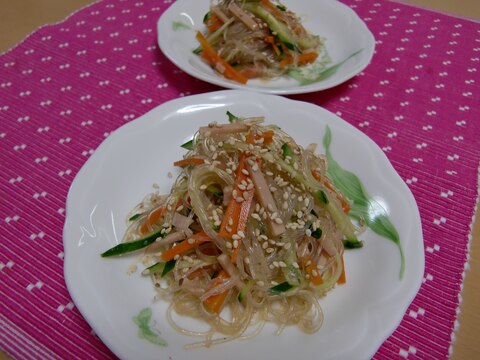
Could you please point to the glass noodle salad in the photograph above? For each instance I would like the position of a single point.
(256, 39)
(252, 231)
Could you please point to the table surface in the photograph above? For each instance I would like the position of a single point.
(19, 18)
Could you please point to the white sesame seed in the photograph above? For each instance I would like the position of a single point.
(236, 237)
(315, 273)
(246, 195)
(282, 264)
(275, 263)
(260, 283)
(273, 282)
(308, 263)
(241, 234)
(228, 245)
(191, 241)
(285, 205)
(308, 232)
(295, 265)
(239, 199)
(278, 221)
(245, 172)
(287, 246)
(264, 245)
(299, 214)
(270, 207)
(230, 221)
(235, 244)
(269, 173)
(270, 250)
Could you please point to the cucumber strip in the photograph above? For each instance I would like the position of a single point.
(131, 246)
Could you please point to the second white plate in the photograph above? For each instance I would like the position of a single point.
(344, 31)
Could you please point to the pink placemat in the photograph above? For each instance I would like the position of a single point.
(67, 86)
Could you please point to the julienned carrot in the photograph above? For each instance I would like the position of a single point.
(236, 214)
(343, 278)
(188, 244)
(215, 302)
(189, 161)
(345, 205)
(217, 62)
(213, 22)
(312, 271)
(302, 59)
(307, 58)
(271, 40)
(267, 136)
(273, 9)
(152, 219)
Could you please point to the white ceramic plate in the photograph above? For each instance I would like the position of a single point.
(359, 316)
(344, 31)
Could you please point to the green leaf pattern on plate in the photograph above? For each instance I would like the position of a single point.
(363, 207)
(144, 331)
(317, 71)
(180, 25)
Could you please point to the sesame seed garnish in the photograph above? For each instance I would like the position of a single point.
(273, 282)
(269, 173)
(278, 220)
(247, 260)
(256, 216)
(295, 265)
(245, 172)
(235, 244)
(239, 199)
(270, 207)
(270, 250)
(275, 263)
(246, 195)
(230, 221)
(308, 263)
(241, 234)
(191, 241)
(264, 245)
(260, 283)
(315, 273)
(236, 237)
(282, 264)
(176, 257)
(228, 245)
(308, 232)
(285, 205)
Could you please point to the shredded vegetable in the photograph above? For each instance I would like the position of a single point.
(252, 231)
(256, 39)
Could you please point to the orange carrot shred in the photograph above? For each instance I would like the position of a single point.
(188, 244)
(189, 161)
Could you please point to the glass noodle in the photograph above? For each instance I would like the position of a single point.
(251, 232)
